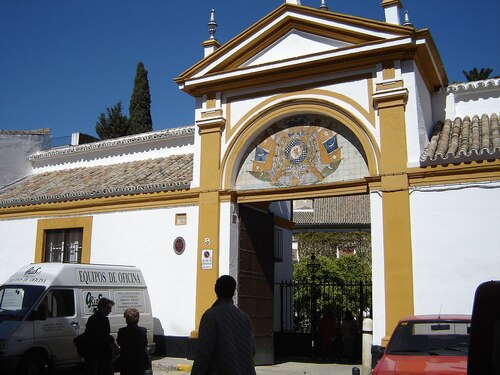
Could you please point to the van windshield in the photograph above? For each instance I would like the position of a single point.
(16, 301)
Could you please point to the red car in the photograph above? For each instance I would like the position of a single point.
(427, 344)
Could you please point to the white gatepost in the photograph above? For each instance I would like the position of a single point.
(366, 355)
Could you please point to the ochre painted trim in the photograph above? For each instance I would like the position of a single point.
(377, 26)
(102, 205)
(390, 98)
(388, 71)
(301, 192)
(64, 223)
(211, 113)
(208, 228)
(398, 268)
(211, 43)
(387, 3)
(391, 85)
(462, 173)
(391, 108)
(208, 214)
(281, 29)
(261, 121)
(398, 261)
(298, 69)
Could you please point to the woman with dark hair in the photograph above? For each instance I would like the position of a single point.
(99, 353)
(133, 341)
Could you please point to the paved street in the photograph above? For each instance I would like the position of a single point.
(170, 366)
(164, 366)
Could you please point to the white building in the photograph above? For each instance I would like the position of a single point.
(305, 103)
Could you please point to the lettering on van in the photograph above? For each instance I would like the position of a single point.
(30, 276)
(33, 271)
(108, 277)
(91, 299)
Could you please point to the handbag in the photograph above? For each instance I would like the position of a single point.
(81, 343)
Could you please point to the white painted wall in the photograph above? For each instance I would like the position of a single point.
(294, 44)
(17, 245)
(466, 99)
(418, 113)
(228, 255)
(145, 239)
(455, 244)
(14, 152)
(378, 269)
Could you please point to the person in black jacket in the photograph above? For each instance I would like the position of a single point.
(99, 353)
(226, 344)
(133, 341)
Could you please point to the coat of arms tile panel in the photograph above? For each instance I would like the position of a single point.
(302, 150)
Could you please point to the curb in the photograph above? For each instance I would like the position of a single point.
(184, 367)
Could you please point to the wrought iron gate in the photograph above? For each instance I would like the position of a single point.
(304, 305)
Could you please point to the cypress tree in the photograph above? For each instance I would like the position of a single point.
(112, 124)
(140, 103)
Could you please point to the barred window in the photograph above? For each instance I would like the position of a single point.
(63, 245)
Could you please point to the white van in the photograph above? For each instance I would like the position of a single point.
(44, 306)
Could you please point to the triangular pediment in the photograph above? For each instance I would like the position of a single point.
(290, 35)
(293, 44)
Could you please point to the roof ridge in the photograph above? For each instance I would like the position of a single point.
(116, 142)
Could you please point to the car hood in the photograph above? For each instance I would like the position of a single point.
(409, 365)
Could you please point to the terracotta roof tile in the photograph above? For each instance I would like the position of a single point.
(134, 177)
(352, 209)
(463, 140)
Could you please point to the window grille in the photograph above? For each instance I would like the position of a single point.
(63, 245)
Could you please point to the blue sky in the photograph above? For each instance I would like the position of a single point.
(63, 62)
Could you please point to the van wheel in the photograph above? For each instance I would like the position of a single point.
(32, 364)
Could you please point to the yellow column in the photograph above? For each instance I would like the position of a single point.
(209, 215)
(396, 207)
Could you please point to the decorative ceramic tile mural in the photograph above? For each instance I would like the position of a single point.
(302, 150)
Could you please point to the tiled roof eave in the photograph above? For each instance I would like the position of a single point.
(116, 142)
(483, 155)
(469, 86)
(105, 192)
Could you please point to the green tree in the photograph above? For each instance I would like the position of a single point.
(327, 243)
(338, 282)
(112, 124)
(140, 103)
(475, 75)
(333, 270)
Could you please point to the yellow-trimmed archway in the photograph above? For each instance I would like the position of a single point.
(260, 121)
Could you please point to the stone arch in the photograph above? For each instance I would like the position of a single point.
(261, 121)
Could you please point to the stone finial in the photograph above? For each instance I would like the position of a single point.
(295, 2)
(212, 25)
(323, 5)
(407, 20)
(211, 44)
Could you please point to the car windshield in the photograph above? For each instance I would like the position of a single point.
(438, 337)
(16, 301)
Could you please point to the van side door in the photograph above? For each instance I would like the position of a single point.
(60, 327)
